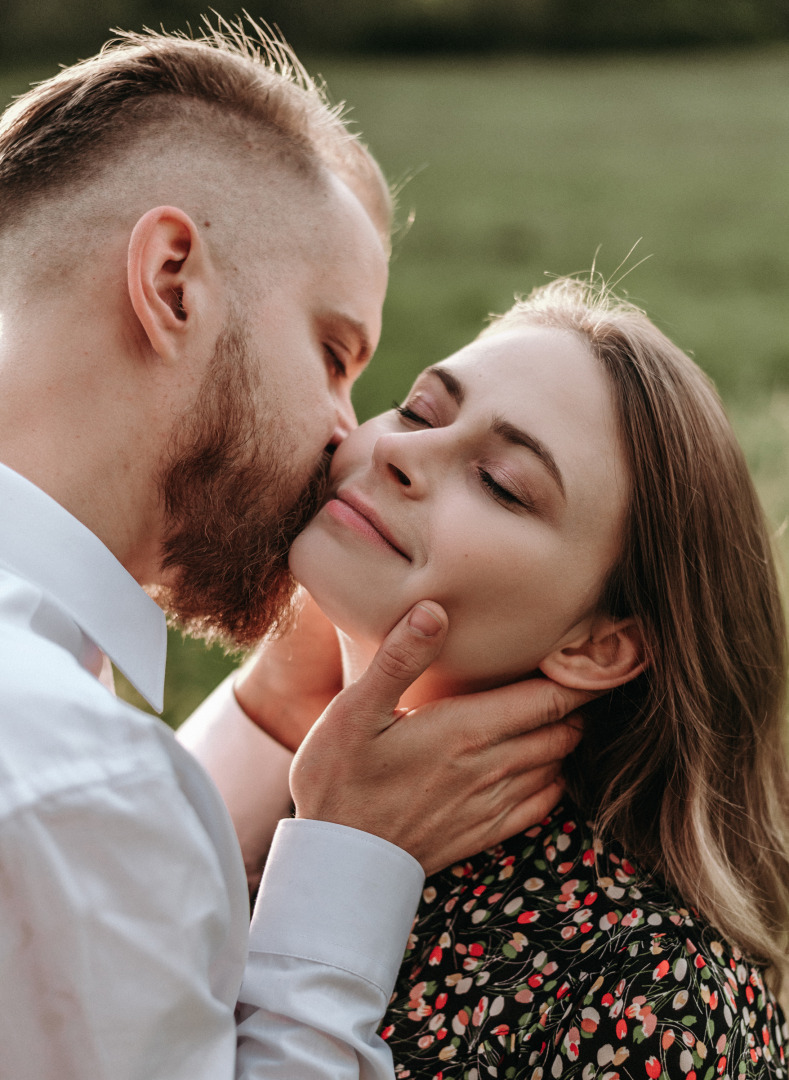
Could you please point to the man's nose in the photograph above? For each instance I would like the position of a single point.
(345, 423)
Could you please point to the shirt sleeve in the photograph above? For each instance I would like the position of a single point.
(328, 934)
(115, 910)
(331, 920)
(121, 961)
(249, 768)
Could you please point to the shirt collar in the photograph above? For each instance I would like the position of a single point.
(44, 543)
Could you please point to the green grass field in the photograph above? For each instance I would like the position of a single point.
(523, 167)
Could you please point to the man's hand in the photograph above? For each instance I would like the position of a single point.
(443, 781)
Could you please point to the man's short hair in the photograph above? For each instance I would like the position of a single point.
(230, 83)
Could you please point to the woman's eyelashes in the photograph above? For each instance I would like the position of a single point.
(408, 412)
(506, 496)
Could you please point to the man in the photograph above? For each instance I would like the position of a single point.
(193, 259)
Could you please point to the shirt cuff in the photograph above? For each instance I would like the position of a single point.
(337, 896)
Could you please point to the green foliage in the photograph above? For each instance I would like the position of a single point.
(528, 166)
(525, 166)
(192, 673)
(419, 27)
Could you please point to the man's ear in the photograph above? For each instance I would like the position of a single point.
(610, 653)
(170, 278)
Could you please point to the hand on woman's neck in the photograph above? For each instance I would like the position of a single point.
(356, 658)
(434, 684)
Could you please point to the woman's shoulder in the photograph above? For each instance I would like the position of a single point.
(559, 873)
(671, 1008)
(554, 952)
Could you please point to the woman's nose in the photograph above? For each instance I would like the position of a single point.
(401, 461)
(400, 476)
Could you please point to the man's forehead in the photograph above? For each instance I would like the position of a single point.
(346, 224)
(347, 275)
(327, 256)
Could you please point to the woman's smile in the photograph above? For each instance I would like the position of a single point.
(350, 509)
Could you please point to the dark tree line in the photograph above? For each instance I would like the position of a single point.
(38, 29)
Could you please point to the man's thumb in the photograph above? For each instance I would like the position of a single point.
(408, 649)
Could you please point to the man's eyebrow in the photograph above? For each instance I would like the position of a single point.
(506, 430)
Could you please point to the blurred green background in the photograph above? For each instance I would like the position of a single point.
(525, 155)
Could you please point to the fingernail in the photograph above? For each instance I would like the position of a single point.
(424, 621)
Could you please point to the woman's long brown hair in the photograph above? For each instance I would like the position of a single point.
(687, 765)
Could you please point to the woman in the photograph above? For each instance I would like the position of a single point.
(569, 489)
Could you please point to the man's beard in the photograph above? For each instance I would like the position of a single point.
(232, 508)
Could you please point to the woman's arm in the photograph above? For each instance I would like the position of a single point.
(450, 778)
(246, 732)
(249, 768)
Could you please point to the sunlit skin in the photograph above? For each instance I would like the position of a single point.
(311, 308)
(300, 331)
(498, 489)
(317, 326)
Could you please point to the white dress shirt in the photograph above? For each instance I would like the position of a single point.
(124, 937)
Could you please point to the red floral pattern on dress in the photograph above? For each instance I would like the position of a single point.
(553, 956)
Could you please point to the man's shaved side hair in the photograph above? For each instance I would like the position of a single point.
(217, 113)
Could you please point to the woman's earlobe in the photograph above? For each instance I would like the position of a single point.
(611, 654)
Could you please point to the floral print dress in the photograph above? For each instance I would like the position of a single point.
(552, 956)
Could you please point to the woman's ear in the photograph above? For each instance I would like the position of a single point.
(170, 279)
(611, 653)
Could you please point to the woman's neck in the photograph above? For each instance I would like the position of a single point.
(433, 684)
(356, 658)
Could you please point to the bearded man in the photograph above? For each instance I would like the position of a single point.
(193, 260)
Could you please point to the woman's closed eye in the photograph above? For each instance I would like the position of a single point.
(504, 495)
(408, 412)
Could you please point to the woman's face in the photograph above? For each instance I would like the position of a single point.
(499, 490)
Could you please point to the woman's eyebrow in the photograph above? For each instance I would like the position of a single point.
(453, 386)
(506, 430)
(518, 437)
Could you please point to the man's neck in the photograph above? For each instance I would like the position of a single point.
(65, 426)
(69, 483)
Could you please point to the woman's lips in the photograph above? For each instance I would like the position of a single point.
(363, 520)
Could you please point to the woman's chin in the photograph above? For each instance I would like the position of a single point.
(354, 604)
